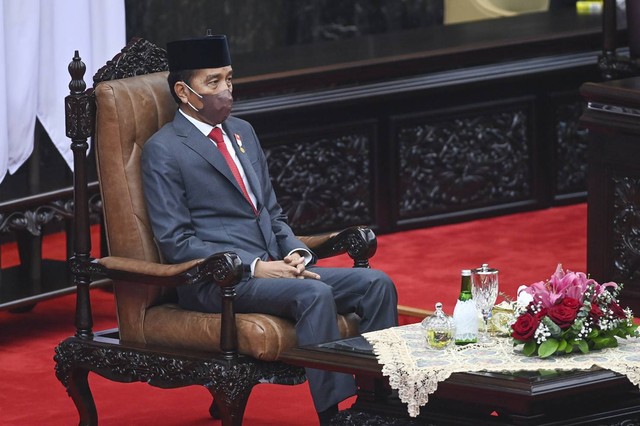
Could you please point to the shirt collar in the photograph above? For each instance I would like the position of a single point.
(203, 127)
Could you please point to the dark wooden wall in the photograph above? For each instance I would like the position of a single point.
(449, 133)
(264, 25)
(402, 122)
(429, 150)
(406, 125)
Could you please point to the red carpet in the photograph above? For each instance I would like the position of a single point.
(425, 264)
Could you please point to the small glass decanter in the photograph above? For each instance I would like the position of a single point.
(440, 328)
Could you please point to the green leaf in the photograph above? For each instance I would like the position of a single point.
(605, 342)
(584, 310)
(583, 346)
(529, 348)
(570, 345)
(622, 334)
(562, 346)
(599, 342)
(554, 329)
(577, 326)
(631, 330)
(548, 348)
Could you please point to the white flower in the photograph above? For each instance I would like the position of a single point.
(524, 298)
(541, 333)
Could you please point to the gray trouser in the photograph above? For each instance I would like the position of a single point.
(313, 304)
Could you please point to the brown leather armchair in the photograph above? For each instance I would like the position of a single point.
(157, 341)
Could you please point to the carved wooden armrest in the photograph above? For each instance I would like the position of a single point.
(359, 242)
(225, 269)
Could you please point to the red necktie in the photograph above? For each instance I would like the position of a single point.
(216, 136)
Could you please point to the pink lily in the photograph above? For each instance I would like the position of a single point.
(564, 284)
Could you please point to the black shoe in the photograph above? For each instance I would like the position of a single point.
(328, 414)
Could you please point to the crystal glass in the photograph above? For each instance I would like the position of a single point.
(484, 288)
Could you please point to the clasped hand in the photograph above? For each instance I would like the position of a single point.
(291, 266)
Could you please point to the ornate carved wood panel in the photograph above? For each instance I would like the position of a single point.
(230, 381)
(323, 178)
(475, 159)
(613, 218)
(626, 229)
(571, 149)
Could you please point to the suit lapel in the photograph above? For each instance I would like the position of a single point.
(194, 139)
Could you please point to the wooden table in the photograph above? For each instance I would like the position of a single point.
(593, 397)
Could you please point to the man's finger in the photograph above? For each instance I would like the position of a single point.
(309, 274)
(292, 260)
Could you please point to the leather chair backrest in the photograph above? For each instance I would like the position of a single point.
(128, 112)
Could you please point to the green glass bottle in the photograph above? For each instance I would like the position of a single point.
(465, 314)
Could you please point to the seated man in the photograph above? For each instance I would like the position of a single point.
(208, 190)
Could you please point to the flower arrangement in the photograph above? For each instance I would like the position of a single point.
(570, 312)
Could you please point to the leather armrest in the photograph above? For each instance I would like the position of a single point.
(359, 242)
(225, 269)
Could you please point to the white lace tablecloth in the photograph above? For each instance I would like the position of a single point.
(415, 370)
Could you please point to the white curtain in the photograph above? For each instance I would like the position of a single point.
(37, 41)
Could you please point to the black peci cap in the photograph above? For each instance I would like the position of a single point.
(211, 51)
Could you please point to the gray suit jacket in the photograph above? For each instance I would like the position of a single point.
(195, 205)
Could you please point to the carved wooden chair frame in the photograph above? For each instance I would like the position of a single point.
(229, 376)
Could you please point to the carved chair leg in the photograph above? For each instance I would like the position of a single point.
(214, 411)
(75, 378)
(78, 389)
(229, 408)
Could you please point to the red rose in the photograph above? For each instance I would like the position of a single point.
(541, 313)
(618, 312)
(595, 313)
(524, 327)
(572, 303)
(562, 315)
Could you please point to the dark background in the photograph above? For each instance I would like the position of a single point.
(258, 25)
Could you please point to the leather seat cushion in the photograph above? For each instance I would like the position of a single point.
(259, 335)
